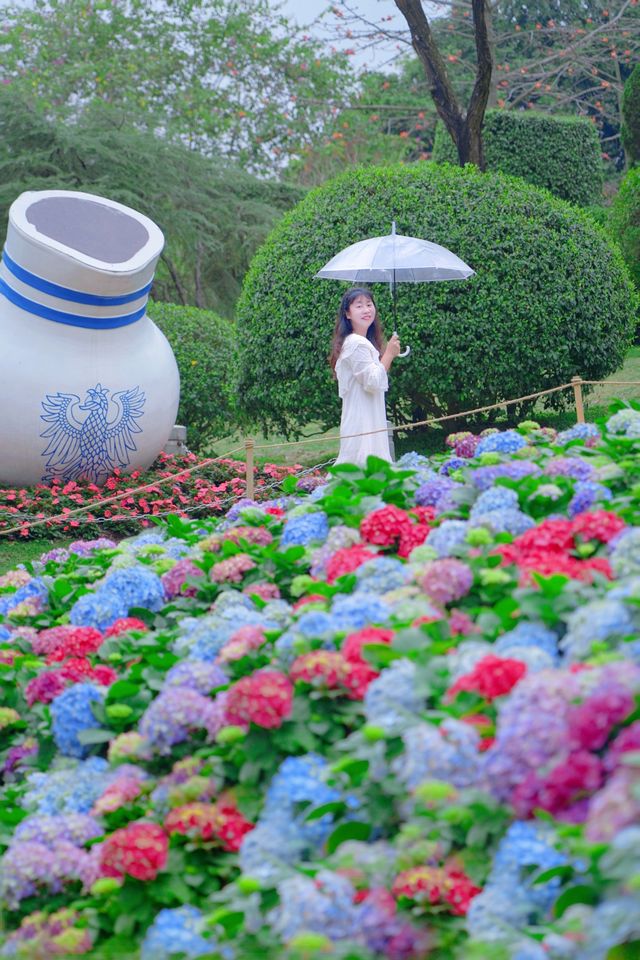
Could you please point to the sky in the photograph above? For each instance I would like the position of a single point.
(374, 57)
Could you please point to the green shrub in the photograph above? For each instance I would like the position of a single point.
(203, 344)
(561, 154)
(551, 298)
(630, 130)
(624, 221)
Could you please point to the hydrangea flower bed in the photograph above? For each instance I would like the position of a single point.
(209, 491)
(395, 717)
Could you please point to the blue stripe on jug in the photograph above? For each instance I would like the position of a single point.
(65, 293)
(58, 316)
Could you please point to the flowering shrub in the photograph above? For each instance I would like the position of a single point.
(205, 492)
(365, 726)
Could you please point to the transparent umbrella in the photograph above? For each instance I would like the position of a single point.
(395, 259)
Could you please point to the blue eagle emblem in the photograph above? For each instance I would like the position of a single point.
(90, 448)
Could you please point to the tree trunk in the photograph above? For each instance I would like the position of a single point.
(464, 127)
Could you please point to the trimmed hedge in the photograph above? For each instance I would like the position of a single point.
(630, 130)
(203, 344)
(624, 221)
(551, 299)
(561, 154)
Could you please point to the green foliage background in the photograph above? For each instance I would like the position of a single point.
(559, 153)
(630, 130)
(624, 221)
(551, 298)
(203, 344)
(213, 214)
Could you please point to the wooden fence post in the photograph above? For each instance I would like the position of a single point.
(250, 487)
(577, 390)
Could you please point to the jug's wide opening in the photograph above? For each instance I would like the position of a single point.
(90, 227)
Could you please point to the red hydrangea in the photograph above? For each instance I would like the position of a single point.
(264, 698)
(591, 722)
(78, 643)
(412, 537)
(45, 687)
(347, 560)
(424, 515)
(312, 598)
(358, 678)
(600, 525)
(580, 775)
(64, 641)
(385, 526)
(326, 668)
(491, 677)
(125, 625)
(138, 850)
(354, 642)
(221, 822)
(436, 886)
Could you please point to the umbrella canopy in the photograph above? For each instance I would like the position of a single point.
(395, 258)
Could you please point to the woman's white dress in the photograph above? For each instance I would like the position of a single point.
(362, 384)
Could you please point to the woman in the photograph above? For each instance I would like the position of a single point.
(360, 365)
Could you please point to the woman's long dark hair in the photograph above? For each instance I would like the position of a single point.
(343, 326)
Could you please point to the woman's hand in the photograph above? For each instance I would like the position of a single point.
(391, 352)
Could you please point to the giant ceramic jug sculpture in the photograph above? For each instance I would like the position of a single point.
(87, 382)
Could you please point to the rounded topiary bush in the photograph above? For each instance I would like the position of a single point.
(551, 297)
(203, 344)
(630, 130)
(561, 154)
(624, 221)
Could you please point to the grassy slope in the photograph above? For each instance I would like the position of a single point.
(431, 440)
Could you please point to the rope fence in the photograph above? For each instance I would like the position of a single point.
(249, 446)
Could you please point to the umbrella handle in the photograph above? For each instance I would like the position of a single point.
(406, 351)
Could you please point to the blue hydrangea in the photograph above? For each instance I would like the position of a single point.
(625, 553)
(392, 700)
(528, 634)
(322, 904)
(176, 931)
(496, 498)
(97, 610)
(574, 467)
(597, 621)
(581, 431)
(448, 752)
(448, 537)
(357, 610)
(485, 477)
(72, 789)
(508, 441)
(382, 575)
(34, 590)
(514, 522)
(309, 528)
(137, 587)
(301, 780)
(453, 463)
(270, 851)
(71, 713)
(430, 493)
(586, 493)
(626, 422)
(525, 846)
(4, 633)
(200, 675)
(315, 624)
(48, 829)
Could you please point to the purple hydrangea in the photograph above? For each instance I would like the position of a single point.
(448, 537)
(199, 675)
(574, 467)
(485, 477)
(431, 492)
(586, 493)
(173, 714)
(447, 580)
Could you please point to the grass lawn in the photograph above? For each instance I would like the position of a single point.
(432, 439)
(13, 552)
